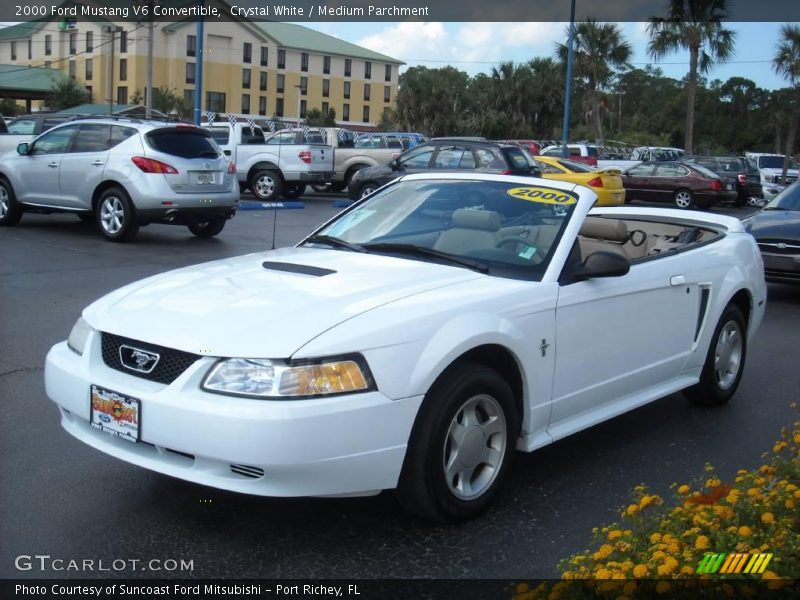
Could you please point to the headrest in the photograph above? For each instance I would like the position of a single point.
(469, 218)
(610, 230)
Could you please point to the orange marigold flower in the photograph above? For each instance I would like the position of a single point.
(779, 446)
(632, 510)
(767, 518)
(602, 573)
(614, 534)
(683, 490)
(744, 531)
(603, 552)
(702, 542)
(655, 538)
(789, 504)
(662, 587)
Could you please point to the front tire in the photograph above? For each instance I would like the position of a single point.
(725, 360)
(683, 198)
(116, 217)
(461, 445)
(266, 185)
(368, 188)
(207, 229)
(10, 209)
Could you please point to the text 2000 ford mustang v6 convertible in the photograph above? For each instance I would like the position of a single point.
(413, 342)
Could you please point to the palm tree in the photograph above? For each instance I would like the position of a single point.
(786, 62)
(597, 48)
(696, 26)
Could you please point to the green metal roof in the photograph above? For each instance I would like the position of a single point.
(20, 30)
(34, 79)
(289, 35)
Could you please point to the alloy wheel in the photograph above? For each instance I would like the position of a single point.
(728, 355)
(112, 215)
(3, 201)
(265, 186)
(683, 199)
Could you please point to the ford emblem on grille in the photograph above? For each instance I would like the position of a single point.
(138, 360)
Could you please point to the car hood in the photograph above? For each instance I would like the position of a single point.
(237, 307)
(775, 224)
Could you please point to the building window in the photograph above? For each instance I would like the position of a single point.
(190, 72)
(281, 83)
(326, 108)
(73, 43)
(89, 41)
(262, 105)
(246, 78)
(48, 45)
(326, 88)
(89, 89)
(122, 94)
(365, 116)
(367, 90)
(348, 66)
(89, 69)
(279, 107)
(247, 52)
(123, 69)
(326, 65)
(387, 113)
(13, 50)
(346, 90)
(73, 69)
(264, 55)
(245, 104)
(262, 81)
(387, 93)
(281, 59)
(30, 49)
(303, 105)
(188, 97)
(303, 86)
(387, 73)
(215, 102)
(367, 70)
(191, 45)
(345, 112)
(123, 41)
(304, 61)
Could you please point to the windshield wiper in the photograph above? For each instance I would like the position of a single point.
(333, 242)
(428, 253)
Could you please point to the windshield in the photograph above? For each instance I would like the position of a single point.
(788, 199)
(509, 229)
(774, 162)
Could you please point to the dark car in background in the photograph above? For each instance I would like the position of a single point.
(735, 171)
(446, 154)
(685, 185)
(776, 228)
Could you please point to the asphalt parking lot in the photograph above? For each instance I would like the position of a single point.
(62, 498)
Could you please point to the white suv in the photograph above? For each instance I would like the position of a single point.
(122, 173)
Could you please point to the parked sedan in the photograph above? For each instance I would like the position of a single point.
(736, 172)
(777, 231)
(413, 342)
(607, 183)
(442, 155)
(684, 185)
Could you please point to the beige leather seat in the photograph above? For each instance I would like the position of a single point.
(608, 235)
(471, 230)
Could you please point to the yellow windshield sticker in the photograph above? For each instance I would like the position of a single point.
(543, 195)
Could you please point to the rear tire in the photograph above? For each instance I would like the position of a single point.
(291, 192)
(116, 216)
(461, 445)
(367, 189)
(725, 360)
(10, 209)
(683, 198)
(266, 185)
(207, 229)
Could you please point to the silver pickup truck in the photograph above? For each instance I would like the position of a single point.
(280, 164)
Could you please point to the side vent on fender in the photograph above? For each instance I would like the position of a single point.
(705, 296)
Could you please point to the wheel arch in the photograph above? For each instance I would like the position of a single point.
(351, 169)
(262, 165)
(102, 187)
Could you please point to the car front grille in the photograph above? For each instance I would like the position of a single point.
(791, 247)
(171, 363)
(779, 179)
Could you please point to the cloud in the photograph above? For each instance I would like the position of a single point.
(410, 40)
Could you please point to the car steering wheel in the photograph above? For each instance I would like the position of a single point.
(637, 237)
(536, 258)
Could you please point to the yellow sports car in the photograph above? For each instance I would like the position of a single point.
(607, 184)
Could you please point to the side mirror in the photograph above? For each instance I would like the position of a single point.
(602, 264)
(22, 148)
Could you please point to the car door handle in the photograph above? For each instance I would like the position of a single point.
(677, 280)
(53, 165)
(97, 163)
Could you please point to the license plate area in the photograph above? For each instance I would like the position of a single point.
(204, 178)
(114, 413)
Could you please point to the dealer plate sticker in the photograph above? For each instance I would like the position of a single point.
(114, 413)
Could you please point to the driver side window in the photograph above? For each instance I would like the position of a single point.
(417, 159)
(55, 141)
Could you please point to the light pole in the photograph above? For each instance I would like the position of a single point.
(568, 83)
(112, 30)
(299, 97)
(198, 87)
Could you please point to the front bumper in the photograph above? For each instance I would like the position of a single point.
(345, 445)
(783, 268)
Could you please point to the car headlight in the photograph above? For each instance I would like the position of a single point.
(270, 379)
(78, 336)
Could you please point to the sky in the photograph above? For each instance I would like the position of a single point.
(476, 47)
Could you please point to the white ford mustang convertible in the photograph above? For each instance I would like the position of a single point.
(414, 342)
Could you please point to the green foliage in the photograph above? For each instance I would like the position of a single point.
(315, 118)
(66, 93)
(10, 108)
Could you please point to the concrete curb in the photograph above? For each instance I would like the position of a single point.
(256, 205)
